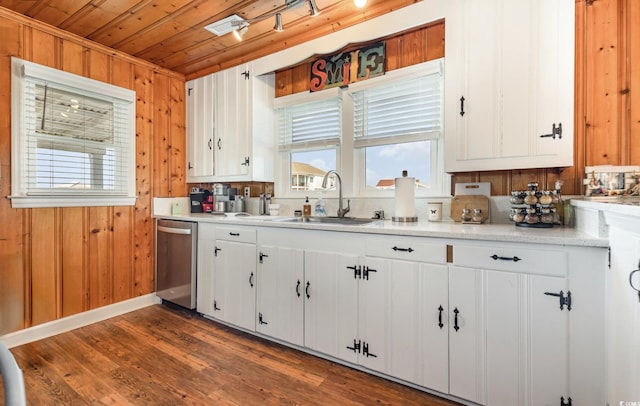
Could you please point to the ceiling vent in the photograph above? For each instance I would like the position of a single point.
(226, 25)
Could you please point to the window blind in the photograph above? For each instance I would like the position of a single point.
(75, 142)
(407, 108)
(309, 125)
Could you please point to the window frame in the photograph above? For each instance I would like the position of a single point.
(22, 74)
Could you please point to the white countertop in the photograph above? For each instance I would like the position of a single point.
(445, 229)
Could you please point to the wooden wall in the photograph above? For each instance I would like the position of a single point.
(607, 110)
(55, 262)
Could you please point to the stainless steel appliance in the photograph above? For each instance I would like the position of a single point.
(176, 245)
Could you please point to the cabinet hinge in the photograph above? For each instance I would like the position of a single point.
(564, 300)
(215, 251)
(357, 271)
(246, 75)
(365, 350)
(246, 161)
(215, 305)
(260, 320)
(556, 131)
(189, 91)
(567, 403)
(262, 256)
(365, 272)
(356, 346)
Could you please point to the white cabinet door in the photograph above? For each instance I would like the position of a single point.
(466, 338)
(433, 354)
(376, 310)
(235, 283)
(623, 309)
(331, 306)
(205, 269)
(200, 129)
(513, 61)
(280, 302)
(233, 105)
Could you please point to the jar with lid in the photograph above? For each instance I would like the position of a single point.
(531, 198)
(516, 197)
(477, 215)
(531, 217)
(546, 216)
(466, 215)
(518, 216)
(546, 198)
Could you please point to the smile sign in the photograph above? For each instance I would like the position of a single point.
(347, 67)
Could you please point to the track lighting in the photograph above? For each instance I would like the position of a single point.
(240, 31)
(278, 27)
(313, 8)
(360, 3)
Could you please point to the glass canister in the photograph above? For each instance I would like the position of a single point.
(516, 197)
(531, 217)
(531, 198)
(477, 215)
(546, 198)
(546, 216)
(466, 215)
(519, 215)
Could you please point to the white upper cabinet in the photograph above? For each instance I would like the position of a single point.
(509, 95)
(200, 129)
(230, 127)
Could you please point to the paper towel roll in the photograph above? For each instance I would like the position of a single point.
(405, 197)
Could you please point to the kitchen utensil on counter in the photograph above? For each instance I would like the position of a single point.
(471, 196)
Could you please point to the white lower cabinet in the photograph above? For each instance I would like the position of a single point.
(235, 278)
(491, 323)
(280, 301)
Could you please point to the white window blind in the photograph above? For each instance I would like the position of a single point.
(75, 140)
(310, 125)
(410, 108)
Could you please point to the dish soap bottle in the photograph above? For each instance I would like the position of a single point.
(319, 209)
(306, 209)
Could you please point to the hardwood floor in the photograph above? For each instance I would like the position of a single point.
(165, 356)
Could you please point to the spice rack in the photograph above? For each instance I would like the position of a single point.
(535, 208)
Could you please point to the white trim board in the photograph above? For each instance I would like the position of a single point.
(77, 320)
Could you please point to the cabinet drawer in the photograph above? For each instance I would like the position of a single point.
(239, 234)
(407, 249)
(503, 257)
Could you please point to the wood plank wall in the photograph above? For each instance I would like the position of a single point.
(607, 110)
(55, 262)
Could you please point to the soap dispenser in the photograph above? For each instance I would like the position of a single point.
(306, 209)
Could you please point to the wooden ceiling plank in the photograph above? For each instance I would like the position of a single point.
(54, 12)
(20, 6)
(96, 14)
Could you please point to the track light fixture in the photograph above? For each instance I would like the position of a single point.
(239, 26)
(278, 27)
(313, 8)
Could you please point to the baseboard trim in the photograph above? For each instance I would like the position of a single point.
(77, 320)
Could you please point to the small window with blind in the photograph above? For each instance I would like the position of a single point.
(73, 140)
(309, 138)
(397, 125)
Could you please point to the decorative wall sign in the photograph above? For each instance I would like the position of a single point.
(347, 67)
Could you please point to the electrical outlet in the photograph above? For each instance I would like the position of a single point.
(247, 191)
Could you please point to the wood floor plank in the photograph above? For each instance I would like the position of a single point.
(162, 355)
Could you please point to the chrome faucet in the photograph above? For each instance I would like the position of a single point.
(341, 210)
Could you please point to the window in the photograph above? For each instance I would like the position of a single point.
(73, 140)
(310, 139)
(386, 125)
(396, 127)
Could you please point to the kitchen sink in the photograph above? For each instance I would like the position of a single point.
(353, 221)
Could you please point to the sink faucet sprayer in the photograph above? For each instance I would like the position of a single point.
(341, 210)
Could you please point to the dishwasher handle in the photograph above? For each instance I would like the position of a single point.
(185, 231)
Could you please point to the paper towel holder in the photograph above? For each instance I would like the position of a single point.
(404, 219)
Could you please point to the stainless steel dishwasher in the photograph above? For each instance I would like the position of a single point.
(176, 250)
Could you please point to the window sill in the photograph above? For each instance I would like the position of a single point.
(23, 202)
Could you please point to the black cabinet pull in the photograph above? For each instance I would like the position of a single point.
(356, 346)
(497, 257)
(306, 290)
(455, 319)
(402, 249)
(631, 280)
(260, 321)
(234, 234)
(462, 99)
(215, 306)
(298, 288)
(564, 301)
(251, 279)
(555, 132)
(262, 255)
(568, 403)
(356, 271)
(219, 143)
(440, 310)
(210, 143)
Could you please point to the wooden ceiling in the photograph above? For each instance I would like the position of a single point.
(170, 33)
